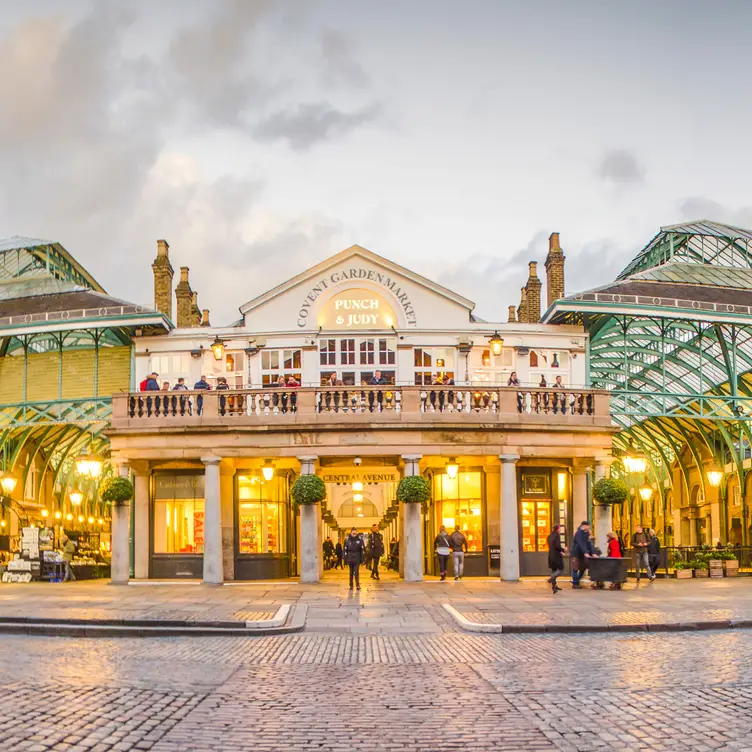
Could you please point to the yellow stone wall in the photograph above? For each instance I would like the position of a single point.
(43, 371)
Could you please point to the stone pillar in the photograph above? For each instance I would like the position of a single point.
(141, 520)
(579, 496)
(163, 274)
(510, 526)
(554, 270)
(602, 513)
(227, 501)
(121, 515)
(213, 569)
(310, 531)
(412, 533)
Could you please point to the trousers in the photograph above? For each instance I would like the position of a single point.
(354, 572)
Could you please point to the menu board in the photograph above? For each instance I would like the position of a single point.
(30, 542)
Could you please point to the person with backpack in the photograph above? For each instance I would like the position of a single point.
(443, 547)
(459, 549)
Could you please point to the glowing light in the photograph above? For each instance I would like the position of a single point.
(2, 523)
(358, 497)
(357, 485)
(646, 492)
(714, 475)
(218, 348)
(58, 515)
(69, 516)
(452, 468)
(89, 465)
(267, 470)
(100, 521)
(45, 513)
(8, 481)
(76, 496)
(80, 518)
(496, 342)
(90, 520)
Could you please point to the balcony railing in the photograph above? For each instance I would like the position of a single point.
(377, 403)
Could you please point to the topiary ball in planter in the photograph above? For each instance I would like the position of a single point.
(413, 490)
(610, 491)
(116, 490)
(308, 489)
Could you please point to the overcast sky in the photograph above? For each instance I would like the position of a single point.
(260, 136)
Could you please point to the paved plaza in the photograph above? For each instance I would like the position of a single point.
(383, 669)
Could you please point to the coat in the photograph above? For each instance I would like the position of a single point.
(376, 544)
(555, 552)
(354, 549)
(338, 550)
(442, 541)
(581, 544)
(614, 549)
(152, 385)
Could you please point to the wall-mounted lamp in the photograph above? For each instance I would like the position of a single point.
(218, 348)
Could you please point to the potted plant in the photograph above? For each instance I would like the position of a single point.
(116, 490)
(683, 570)
(610, 491)
(730, 563)
(308, 489)
(700, 565)
(413, 489)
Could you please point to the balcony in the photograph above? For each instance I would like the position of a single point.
(364, 405)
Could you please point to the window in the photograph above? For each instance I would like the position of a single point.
(32, 482)
(367, 353)
(434, 362)
(387, 356)
(276, 363)
(347, 352)
(179, 513)
(536, 512)
(262, 514)
(328, 352)
(459, 501)
(234, 362)
(492, 369)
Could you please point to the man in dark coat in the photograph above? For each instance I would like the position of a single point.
(582, 550)
(654, 552)
(354, 552)
(556, 553)
(328, 552)
(339, 554)
(376, 547)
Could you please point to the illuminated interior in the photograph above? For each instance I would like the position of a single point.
(459, 501)
(262, 514)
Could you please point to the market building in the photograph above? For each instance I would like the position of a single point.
(361, 371)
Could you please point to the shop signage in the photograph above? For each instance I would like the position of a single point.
(179, 486)
(494, 557)
(348, 275)
(342, 476)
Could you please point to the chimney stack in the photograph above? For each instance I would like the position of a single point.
(522, 309)
(533, 294)
(195, 310)
(184, 297)
(512, 314)
(163, 274)
(205, 318)
(554, 270)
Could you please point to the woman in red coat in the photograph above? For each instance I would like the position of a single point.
(614, 550)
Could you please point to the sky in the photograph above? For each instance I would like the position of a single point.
(260, 137)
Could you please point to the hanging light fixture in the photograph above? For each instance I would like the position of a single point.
(69, 516)
(714, 475)
(89, 465)
(76, 496)
(452, 468)
(80, 518)
(358, 497)
(357, 485)
(58, 515)
(90, 520)
(646, 492)
(45, 513)
(267, 470)
(8, 482)
(634, 461)
(218, 348)
(497, 342)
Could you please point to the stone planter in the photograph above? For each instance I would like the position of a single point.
(702, 573)
(715, 568)
(683, 574)
(731, 567)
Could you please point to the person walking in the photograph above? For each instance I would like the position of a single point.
(459, 549)
(69, 548)
(376, 547)
(328, 552)
(582, 550)
(443, 547)
(556, 553)
(338, 553)
(354, 552)
(654, 551)
(640, 544)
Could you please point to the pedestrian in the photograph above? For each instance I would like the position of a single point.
(556, 553)
(582, 550)
(328, 552)
(69, 548)
(376, 546)
(338, 553)
(654, 552)
(394, 554)
(640, 544)
(354, 552)
(613, 551)
(443, 547)
(459, 549)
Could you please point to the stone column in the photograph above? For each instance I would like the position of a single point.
(510, 526)
(310, 531)
(227, 502)
(602, 513)
(121, 514)
(213, 569)
(141, 519)
(413, 535)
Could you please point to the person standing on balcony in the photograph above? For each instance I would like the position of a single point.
(354, 552)
(459, 549)
(376, 547)
(184, 401)
(152, 383)
(513, 380)
(202, 385)
(376, 380)
(640, 542)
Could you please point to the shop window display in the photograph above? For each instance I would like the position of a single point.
(459, 501)
(262, 515)
(179, 513)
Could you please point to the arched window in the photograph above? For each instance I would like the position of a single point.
(358, 509)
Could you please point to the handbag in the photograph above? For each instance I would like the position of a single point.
(443, 551)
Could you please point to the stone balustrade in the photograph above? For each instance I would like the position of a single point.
(310, 405)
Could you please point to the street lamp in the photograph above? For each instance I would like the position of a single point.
(89, 465)
(634, 461)
(218, 348)
(76, 496)
(8, 482)
(646, 492)
(497, 342)
(267, 470)
(452, 468)
(714, 475)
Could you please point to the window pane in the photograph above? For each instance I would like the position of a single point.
(262, 514)
(179, 526)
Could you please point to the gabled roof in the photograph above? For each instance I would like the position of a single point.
(36, 257)
(352, 252)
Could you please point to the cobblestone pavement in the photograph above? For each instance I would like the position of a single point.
(439, 692)
(388, 606)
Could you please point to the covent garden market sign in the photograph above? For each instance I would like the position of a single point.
(355, 307)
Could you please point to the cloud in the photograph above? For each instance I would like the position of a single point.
(620, 167)
(305, 125)
(340, 64)
(699, 207)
